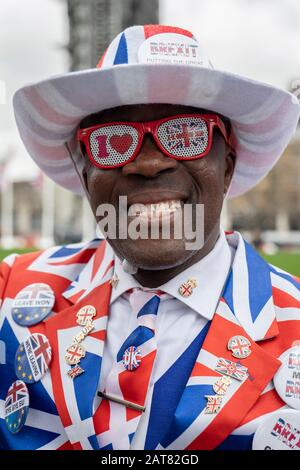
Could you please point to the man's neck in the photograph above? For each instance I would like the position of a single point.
(155, 278)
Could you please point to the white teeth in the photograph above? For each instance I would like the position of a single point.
(165, 207)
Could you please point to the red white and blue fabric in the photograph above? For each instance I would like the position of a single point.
(263, 117)
(131, 385)
(259, 302)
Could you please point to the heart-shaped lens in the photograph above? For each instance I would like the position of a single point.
(121, 143)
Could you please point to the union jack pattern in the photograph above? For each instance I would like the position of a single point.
(232, 369)
(259, 302)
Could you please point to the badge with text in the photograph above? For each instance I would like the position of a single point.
(32, 358)
(32, 304)
(16, 406)
(132, 358)
(239, 346)
(278, 431)
(287, 378)
(172, 48)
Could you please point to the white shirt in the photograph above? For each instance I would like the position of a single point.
(179, 319)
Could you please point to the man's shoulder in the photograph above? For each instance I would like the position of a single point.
(64, 261)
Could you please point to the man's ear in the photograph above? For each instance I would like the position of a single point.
(229, 168)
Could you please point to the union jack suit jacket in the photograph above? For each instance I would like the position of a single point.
(259, 302)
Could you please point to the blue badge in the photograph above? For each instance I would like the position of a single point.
(16, 406)
(32, 359)
(132, 358)
(32, 304)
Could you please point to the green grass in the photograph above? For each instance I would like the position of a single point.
(290, 261)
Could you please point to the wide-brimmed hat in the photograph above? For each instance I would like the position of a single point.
(154, 64)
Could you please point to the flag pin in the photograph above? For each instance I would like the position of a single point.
(85, 315)
(74, 354)
(186, 288)
(221, 385)
(239, 346)
(214, 403)
(114, 281)
(75, 371)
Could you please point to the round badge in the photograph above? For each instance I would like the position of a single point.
(287, 378)
(16, 406)
(32, 304)
(239, 346)
(278, 431)
(32, 359)
(74, 354)
(132, 358)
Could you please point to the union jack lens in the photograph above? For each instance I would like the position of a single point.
(183, 137)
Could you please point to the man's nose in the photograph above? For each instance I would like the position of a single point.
(150, 161)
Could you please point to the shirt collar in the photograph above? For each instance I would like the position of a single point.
(210, 274)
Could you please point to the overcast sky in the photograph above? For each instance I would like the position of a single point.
(257, 38)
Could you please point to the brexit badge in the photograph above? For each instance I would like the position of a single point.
(287, 378)
(214, 403)
(278, 431)
(239, 346)
(32, 304)
(32, 358)
(16, 406)
(231, 369)
(132, 358)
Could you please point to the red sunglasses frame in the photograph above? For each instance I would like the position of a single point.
(150, 127)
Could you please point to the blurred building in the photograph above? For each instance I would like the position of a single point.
(94, 23)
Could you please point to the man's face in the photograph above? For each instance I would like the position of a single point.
(153, 178)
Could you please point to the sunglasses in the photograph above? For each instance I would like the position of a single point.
(182, 137)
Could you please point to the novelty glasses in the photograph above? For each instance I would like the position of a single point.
(183, 137)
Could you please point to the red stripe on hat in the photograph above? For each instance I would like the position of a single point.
(152, 29)
(100, 63)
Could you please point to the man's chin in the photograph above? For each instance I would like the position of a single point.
(152, 254)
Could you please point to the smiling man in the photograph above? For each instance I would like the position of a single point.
(147, 342)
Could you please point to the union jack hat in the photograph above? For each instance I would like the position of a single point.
(154, 64)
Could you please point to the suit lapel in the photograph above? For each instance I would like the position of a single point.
(74, 397)
(246, 309)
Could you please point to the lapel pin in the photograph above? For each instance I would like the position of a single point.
(132, 358)
(32, 304)
(214, 403)
(32, 358)
(16, 406)
(231, 369)
(85, 315)
(75, 371)
(239, 346)
(221, 385)
(74, 354)
(84, 332)
(114, 281)
(186, 288)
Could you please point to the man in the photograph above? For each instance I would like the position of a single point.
(142, 343)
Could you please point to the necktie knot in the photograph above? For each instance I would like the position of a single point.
(144, 305)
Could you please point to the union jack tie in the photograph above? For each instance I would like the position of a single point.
(129, 378)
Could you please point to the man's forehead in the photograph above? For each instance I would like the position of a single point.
(141, 112)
